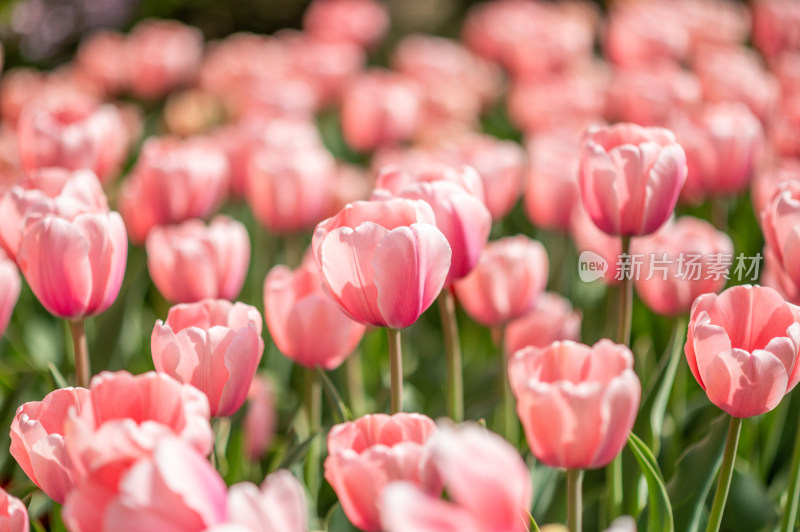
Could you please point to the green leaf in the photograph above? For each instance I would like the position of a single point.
(58, 378)
(337, 520)
(296, 453)
(340, 411)
(660, 510)
(694, 475)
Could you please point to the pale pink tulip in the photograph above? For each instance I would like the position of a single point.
(766, 183)
(361, 22)
(98, 58)
(260, 421)
(630, 177)
(10, 286)
(577, 403)
(194, 261)
(290, 190)
(278, 506)
(72, 133)
(215, 345)
(742, 348)
(679, 262)
(74, 266)
(461, 215)
(598, 246)
(52, 190)
(775, 277)
(383, 262)
(510, 276)
(37, 441)
(365, 455)
(173, 181)
(780, 222)
(13, 514)
(192, 112)
(785, 130)
(468, 459)
(643, 33)
(551, 189)
(161, 55)
(380, 108)
(552, 319)
(305, 323)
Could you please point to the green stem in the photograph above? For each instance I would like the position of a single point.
(790, 514)
(725, 475)
(314, 413)
(81, 352)
(509, 415)
(452, 347)
(625, 299)
(355, 384)
(719, 212)
(574, 499)
(396, 368)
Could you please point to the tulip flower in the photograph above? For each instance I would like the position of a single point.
(10, 286)
(766, 182)
(552, 319)
(365, 455)
(13, 514)
(260, 421)
(279, 505)
(467, 459)
(214, 345)
(191, 261)
(98, 59)
(362, 22)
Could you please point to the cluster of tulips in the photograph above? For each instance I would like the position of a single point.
(358, 196)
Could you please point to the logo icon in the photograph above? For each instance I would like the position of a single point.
(591, 266)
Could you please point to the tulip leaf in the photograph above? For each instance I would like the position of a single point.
(340, 411)
(337, 520)
(58, 378)
(660, 510)
(695, 473)
(296, 453)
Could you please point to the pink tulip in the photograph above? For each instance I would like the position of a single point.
(380, 108)
(785, 130)
(171, 488)
(714, 22)
(468, 459)
(18, 87)
(305, 323)
(290, 190)
(510, 276)
(53, 190)
(500, 163)
(780, 222)
(365, 455)
(10, 168)
(630, 177)
(161, 55)
(278, 506)
(742, 348)
(74, 266)
(552, 319)
(98, 58)
(679, 262)
(461, 215)
(551, 189)
(577, 403)
(602, 246)
(766, 183)
(775, 26)
(74, 134)
(37, 441)
(383, 262)
(173, 181)
(13, 514)
(260, 421)
(10, 286)
(361, 22)
(645, 33)
(194, 261)
(404, 170)
(215, 345)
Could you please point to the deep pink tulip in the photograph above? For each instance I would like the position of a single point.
(577, 403)
(74, 266)
(551, 189)
(367, 454)
(37, 441)
(13, 514)
(173, 487)
(461, 215)
(260, 421)
(279, 505)
(173, 181)
(10, 286)
(780, 222)
(588, 238)
(54, 190)
(161, 55)
(467, 458)
(679, 262)
(74, 134)
(775, 25)
(552, 319)
(362, 22)
(194, 261)
(305, 323)
(742, 348)
(380, 108)
(383, 262)
(214, 345)
(630, 177)
(290, 190)
(510, 276)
